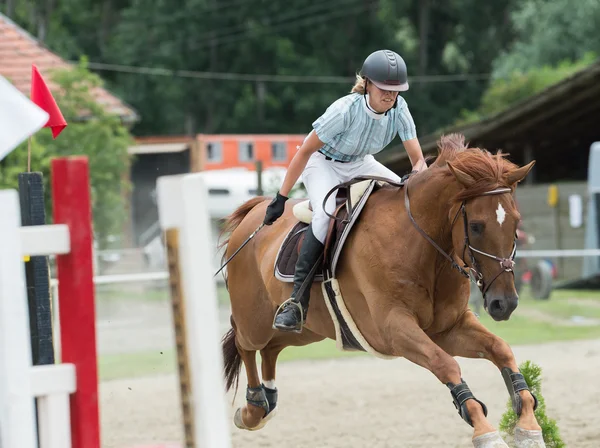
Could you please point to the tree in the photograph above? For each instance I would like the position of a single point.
(548, 32)
(518, 86)
(92, 131)
(275, 37)
(446, 38)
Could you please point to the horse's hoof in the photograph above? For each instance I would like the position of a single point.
(266, 419)
(239, 422)
(526, 438)
(489, 440)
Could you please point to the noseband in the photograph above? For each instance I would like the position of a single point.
(473, 273)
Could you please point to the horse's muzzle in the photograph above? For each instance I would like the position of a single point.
(500, 308)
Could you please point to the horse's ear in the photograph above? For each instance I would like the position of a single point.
(462, 177)
(519, 174)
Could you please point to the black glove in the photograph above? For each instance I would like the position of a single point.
(275, 209)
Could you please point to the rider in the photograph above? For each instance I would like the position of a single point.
(339, 148)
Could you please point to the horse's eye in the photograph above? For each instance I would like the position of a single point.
(476, 228)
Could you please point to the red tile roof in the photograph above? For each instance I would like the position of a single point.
(18, 50)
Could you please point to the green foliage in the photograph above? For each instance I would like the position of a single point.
(533, 376)
(504, 92)
(550, 31)
(91, 131)
(522, 42)
(274, 37)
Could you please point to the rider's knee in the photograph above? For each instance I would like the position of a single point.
(319, 227)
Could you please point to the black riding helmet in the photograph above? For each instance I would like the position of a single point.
(387, 70)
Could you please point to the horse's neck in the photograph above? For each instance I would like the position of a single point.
(434, 204)
(431, 203)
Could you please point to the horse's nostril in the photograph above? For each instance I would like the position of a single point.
(496, 306)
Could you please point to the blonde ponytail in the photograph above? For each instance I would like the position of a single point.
(359, 86)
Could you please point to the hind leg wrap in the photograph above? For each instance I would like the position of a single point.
(256, 396)
(271, 395)
(515, 382)
(460, 394)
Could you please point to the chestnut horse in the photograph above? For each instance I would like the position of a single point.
(407, 297)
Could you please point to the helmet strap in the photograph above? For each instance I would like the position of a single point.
(394, 106)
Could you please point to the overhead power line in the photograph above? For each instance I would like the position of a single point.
(304, 21)
(291, 17)
(307, 79)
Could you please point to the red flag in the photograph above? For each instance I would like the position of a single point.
(40, 95)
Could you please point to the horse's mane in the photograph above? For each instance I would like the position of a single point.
(488, 170)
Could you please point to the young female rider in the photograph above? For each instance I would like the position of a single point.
(339, 148)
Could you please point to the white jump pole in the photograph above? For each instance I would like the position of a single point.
(182, 205)
(17, 412)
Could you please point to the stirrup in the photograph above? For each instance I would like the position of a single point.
(298, 328)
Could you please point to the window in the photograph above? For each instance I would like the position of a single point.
(218, 191)
(214, 152)
(246, 152)
(278, 152)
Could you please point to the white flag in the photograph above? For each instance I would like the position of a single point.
(19, 117)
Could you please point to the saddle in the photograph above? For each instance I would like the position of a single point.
(351, 198)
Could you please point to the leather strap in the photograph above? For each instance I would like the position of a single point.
(256, 396)
(329, 158)
(515, 382)
(353, 181)
(428, 238)
(460, 394)
(271, 395)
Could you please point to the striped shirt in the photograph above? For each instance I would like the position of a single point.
(349, 133)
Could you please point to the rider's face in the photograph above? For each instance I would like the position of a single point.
(381, 100)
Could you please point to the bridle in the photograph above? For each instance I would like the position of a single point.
(473, 273)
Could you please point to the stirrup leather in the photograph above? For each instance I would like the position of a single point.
(289, 302)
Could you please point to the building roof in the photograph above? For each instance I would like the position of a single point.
(152, 144)
(160, 144)
(553, 124)
(19, 50)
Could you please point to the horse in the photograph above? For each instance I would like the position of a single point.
(403, 273)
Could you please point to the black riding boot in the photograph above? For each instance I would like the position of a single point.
(290, 317)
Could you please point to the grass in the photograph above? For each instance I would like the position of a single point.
(325, 349)
(155, 293)
(522, 328)
(566, 304)
(131, 365)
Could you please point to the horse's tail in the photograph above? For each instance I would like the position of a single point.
(236, 218)
(232, 222)
(232, 360)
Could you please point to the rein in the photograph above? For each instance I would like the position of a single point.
(356, 180)
(473, 273)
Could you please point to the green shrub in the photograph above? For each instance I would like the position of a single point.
(533, 376)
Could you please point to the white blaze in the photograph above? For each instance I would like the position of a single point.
(500, 214)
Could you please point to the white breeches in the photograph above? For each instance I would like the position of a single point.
(321, 175)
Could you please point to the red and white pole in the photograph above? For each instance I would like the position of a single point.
(72, 206)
